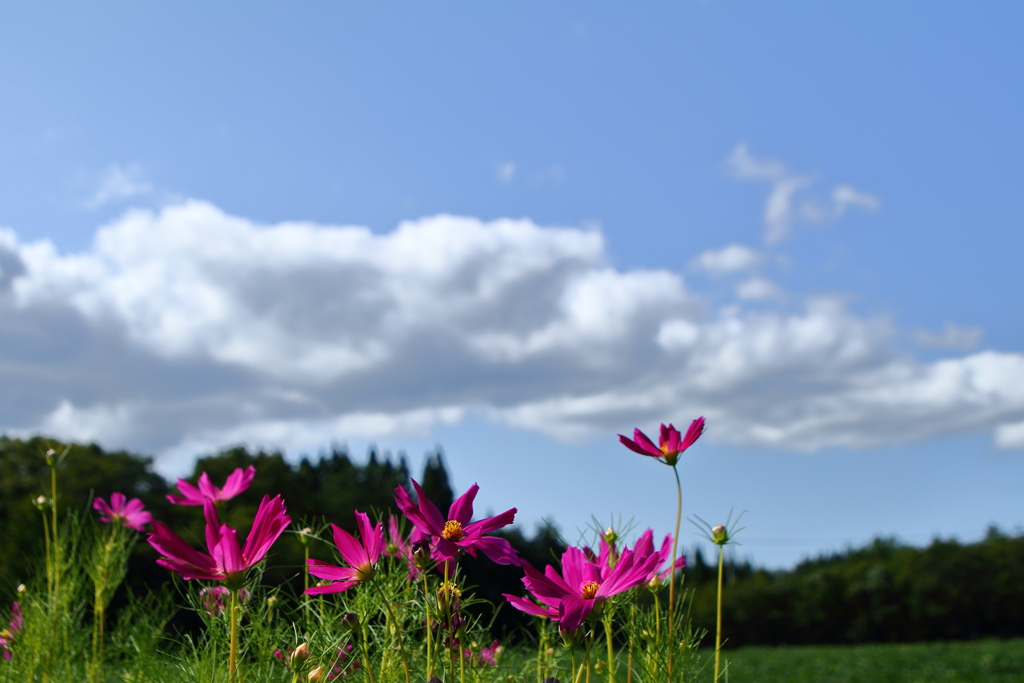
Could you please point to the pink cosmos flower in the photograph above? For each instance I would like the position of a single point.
(670, 444)
(569, 598)
(455, 533)
(7, 636)
(227, 562)
(127, 513)
(237, 481)
(361, 557)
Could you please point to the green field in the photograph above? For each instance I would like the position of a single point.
(988, 661)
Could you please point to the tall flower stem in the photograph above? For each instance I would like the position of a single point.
(718, 620)
(305, 579)
(365, 633)
(430, 625)
(607, 621)
(672, 573)
(233, 652)
(398, 632)
(100, 603)
(49, 557)
(56, 534)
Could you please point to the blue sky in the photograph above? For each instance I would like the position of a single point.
(518, 230)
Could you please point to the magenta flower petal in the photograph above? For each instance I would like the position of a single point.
(524, 605)
(227, 554)
(207, 488)
(462, 509)
(190, 495)
(179, 556)
(428, 511)
(572, 612)
(237, 482)
(351, 550)
(497, 550)
(492, 523)
(330, 572)
(336, 587)
(271, 521)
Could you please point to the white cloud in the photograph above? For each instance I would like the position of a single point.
(119, 182)
(782, 209)
(187, 329)
(757, 289)
(951, 337)
(505, 172)
(729, 259)
(1010, 435)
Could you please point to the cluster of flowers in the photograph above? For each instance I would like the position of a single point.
(568, 597)
(7, 635)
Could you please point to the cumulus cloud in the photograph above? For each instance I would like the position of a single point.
(729, 259)
(186, 329)
(951, 337)
(788, 201)
(758, 289)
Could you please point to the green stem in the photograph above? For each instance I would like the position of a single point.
(56, 535)
(611, 651)
(590, 641)
(398, 631)
(305, 578)
(49, 558)
(430, 632)
(718, 621)
(233, 652)
(366, 649)
(672, 573)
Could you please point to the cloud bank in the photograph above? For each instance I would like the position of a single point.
(187, 329)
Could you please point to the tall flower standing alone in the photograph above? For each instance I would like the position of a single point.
(670, 445)
(226, 562)
(237, 481)
(128, 513)
(111, 561)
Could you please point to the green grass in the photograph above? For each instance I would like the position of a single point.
(988, 661)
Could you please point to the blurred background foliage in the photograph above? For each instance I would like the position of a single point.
(885, 592)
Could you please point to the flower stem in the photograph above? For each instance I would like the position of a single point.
(718, 621)
(611, 650)
(56, 534)
(672, 573)
(430, 632)
(233, 652)
(366, 649)
(49, 558)
(398, 631)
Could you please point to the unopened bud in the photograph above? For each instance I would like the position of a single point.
(421, 554)
(21, 588)
(610, 536)
(51, 457)
(350, 621)
(448, 594)
(299, 656)
(551, 679)
(316, 675)
(41, 502)
(720, 534)
(272, 601)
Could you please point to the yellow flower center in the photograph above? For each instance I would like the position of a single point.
(452, 531)
(589, 589)
(449, 589)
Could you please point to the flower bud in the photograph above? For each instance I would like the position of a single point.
(350, 621)
(316, 675)
(421, 554)
(272, 601)
(304, 535)
(42, 502)
(720, 534)
(551, 679)
(299, 656)
(448, 595)
(21, 588)
(610, 536)
(51, 457)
